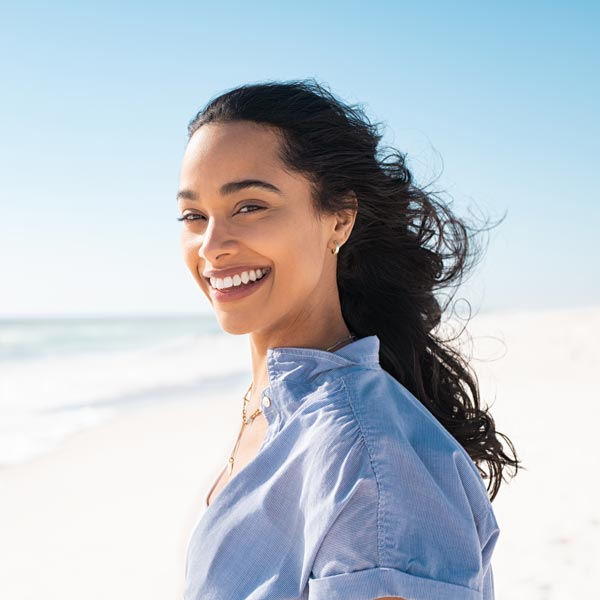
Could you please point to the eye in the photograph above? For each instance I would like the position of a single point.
(190, 217)
(251, 208)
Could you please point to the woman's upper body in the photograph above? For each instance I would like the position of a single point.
(298, 232)
(356, 493)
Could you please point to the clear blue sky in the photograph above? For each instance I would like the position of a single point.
(96, 98)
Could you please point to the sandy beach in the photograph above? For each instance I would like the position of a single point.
(107, 514)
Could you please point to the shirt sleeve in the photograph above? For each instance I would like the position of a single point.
(417, 542)
(369, 584)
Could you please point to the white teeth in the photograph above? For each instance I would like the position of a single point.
(243, 278)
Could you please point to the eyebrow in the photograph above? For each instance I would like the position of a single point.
(232, 187)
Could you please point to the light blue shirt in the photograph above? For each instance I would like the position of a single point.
(356, 492)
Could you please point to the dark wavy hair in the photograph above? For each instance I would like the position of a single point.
(405, 246)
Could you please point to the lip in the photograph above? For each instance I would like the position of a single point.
(236, 292)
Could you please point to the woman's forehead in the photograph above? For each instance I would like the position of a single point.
(226, 147)
(244, 138)
(218, 153)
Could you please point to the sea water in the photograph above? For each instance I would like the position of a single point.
(61, 375)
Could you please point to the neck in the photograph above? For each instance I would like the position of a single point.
(317, 331)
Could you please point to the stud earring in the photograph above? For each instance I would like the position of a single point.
(337, 248)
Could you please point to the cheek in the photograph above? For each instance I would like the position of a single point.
(302, 264)
(189, 250)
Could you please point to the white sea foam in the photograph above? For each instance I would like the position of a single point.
(62, 377)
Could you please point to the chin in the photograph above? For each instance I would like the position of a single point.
(233, 326)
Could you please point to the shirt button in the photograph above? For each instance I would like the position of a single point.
(266, 401)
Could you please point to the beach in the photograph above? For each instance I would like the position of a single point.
(107, 512)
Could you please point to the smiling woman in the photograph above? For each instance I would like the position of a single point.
(357, 470)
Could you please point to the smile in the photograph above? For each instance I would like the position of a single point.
(243, 278)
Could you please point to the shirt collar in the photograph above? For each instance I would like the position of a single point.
(291, 371)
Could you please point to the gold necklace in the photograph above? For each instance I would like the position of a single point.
(249, 420)
(245, 421)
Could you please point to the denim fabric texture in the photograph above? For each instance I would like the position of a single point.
(357, 492)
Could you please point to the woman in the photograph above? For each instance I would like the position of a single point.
(354, 472)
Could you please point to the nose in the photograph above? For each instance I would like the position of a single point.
(216, 241)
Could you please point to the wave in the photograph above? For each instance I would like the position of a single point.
(46, 394)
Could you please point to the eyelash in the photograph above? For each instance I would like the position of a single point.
(196, 217)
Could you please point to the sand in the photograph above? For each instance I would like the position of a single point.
(109, 512)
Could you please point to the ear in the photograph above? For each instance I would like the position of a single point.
(345, 218)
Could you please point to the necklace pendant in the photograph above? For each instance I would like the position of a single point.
(230, 466)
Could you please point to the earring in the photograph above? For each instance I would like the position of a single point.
(337, 248)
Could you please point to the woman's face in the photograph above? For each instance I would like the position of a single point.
(261, 243)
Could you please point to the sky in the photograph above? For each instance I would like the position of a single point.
(497, 105)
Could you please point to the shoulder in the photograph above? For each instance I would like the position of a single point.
(365, 420)
(366, 411)
(406, 443)
(420, 501)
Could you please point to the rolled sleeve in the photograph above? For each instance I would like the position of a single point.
(382, 581)
(417, 542)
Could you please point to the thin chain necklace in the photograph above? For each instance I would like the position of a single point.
(249, 420)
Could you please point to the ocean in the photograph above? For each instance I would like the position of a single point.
(61, 375)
